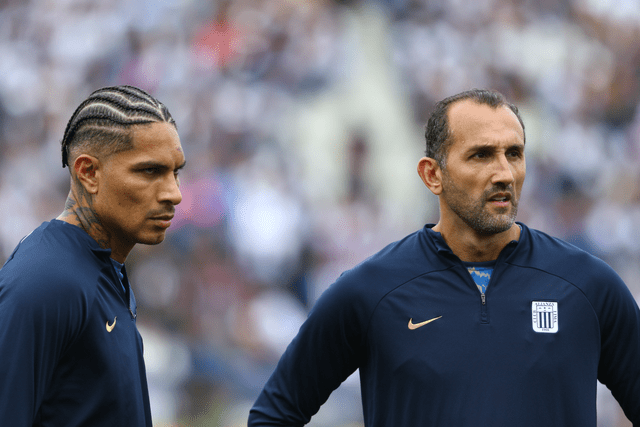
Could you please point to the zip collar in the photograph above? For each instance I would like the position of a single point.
(442, 247)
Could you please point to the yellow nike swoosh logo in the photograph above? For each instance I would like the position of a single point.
(111, 326)
(413, 326)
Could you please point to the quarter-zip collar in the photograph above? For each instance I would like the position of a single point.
(444, 249)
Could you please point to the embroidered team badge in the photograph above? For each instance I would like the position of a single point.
(544, 316)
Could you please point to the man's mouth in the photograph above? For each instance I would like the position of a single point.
(500, 198)
(164, 221)
(163, 217)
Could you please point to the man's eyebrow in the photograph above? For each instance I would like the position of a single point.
(150, 164)
(482, 147)
(158, 165)
(492, 147)
(517, 146)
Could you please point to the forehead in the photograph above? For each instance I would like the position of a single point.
(155, 141)
(473, 123)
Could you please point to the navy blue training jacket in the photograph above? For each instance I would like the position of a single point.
(432, 351)
(70, 351)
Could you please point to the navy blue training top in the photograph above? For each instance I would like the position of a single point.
(70, 351)
(433, 351)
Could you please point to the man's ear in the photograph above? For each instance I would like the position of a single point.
(431, 174)
(85, 168)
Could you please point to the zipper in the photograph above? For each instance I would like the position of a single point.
(484, 313)
(124, 291)
(484, 310)
(131, 301)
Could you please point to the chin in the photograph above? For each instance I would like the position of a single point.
(489, 228)
(152, 240)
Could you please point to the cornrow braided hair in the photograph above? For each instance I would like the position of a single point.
(104, 119)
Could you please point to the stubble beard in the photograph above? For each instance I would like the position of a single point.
(475, 213)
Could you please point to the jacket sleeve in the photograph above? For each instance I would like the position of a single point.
(37, 322)
(619, 367)
(326, 350)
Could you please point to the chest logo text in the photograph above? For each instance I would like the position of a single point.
(544, 316)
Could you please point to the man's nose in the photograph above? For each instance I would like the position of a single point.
(171, 190)
(503, 172)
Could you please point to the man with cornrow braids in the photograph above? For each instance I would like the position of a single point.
(70, 351)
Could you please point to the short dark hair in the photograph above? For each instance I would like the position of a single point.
(103, 121)
(437, 131)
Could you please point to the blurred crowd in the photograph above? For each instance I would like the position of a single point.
(302, 125)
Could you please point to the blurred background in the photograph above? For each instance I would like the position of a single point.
(302, 124)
